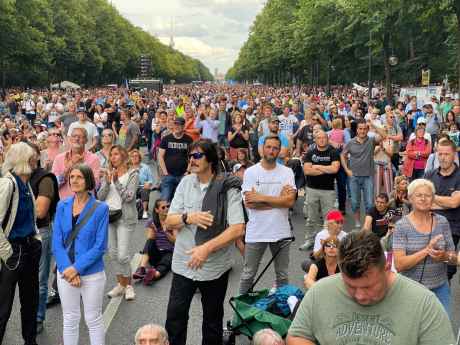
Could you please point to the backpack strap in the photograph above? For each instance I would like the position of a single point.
(10, 206)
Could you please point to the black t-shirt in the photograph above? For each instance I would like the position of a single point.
(317, 157)
(305, 135)
(380, 221)
(176, 159)
(238, 141)
(445, 186)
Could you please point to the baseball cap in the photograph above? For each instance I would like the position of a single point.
(334, 215)
(81, 110)
(179, 121)
(421, 120)
(237, 167)
(274, 118)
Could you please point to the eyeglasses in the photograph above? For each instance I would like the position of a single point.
(164, 207)
(196, 155)
(55, 134)
(330, 245)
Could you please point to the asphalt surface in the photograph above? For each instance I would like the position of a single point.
(151, 302)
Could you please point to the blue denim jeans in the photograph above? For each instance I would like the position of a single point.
(443, 294)
(364, 184)
(168, 186)
(44, 271)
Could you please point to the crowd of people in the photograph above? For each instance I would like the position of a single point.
(215, 168)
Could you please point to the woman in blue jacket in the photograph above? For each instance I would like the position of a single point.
(80, 264)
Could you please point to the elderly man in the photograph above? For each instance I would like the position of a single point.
(151, 334)
(76, 154)
(267, 336)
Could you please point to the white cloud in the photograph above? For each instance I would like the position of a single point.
(210, 30)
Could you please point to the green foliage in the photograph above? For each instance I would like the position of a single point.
(86, 41)
(321, 41)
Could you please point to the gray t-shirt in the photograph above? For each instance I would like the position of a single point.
(407, 238)
(361, 156)
(127, 134)
(189, 198)
(408, 315)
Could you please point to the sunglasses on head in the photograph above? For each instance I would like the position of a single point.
(196, 155)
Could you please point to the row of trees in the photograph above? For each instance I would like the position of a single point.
(330, 41)
(86, 41)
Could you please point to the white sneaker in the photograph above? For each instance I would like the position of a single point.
(118, 290)
(358, 224)
(129, 293)
(145, 215)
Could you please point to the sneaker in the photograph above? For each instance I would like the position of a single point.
(129, 293)
(139, 274)
(145, 215)
(357, 224)
(118, 290)
(150, 276)
(307, 245)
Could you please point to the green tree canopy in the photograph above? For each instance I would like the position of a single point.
(86, 41)
(322, 41)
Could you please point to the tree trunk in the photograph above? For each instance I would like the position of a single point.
(456, 8)
(387, 67)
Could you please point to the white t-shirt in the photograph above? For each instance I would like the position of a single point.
(113, 198)
(267, 225)
(287, 124)
(323, 235)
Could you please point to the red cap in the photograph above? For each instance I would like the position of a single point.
(335, 215)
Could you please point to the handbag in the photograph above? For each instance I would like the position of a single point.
(115, 215)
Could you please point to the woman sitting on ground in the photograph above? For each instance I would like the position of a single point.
(326, 265)
(159, 247)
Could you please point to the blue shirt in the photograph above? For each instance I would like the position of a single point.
(145, 174)
(24, 224)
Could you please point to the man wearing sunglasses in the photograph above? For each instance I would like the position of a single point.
(203, 249)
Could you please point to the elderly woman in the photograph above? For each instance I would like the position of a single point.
(418, 150)
(20, 247)
(422, 243)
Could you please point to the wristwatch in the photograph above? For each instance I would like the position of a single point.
(184, 218)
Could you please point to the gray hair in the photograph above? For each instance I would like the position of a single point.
(17, 159)
(420, 182)
(153, 328)
(267, 336)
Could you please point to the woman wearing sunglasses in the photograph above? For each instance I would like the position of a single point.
(326, 265)
(158, 248)
(53, 148)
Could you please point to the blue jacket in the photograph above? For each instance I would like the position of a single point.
(91, 241)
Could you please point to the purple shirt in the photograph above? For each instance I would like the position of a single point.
(161, 240)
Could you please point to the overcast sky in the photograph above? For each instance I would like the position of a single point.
(210, 30)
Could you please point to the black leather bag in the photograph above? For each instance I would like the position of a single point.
(114, 215)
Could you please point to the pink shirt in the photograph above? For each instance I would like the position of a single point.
(89, 159)
(420, 163)
(337, 136)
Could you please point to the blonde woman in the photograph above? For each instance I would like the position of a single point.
(118, 190)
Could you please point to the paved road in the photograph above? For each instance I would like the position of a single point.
(151, 302)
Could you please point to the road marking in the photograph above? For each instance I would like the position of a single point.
(112, 308)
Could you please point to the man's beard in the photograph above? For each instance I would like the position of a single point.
(270, 159)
